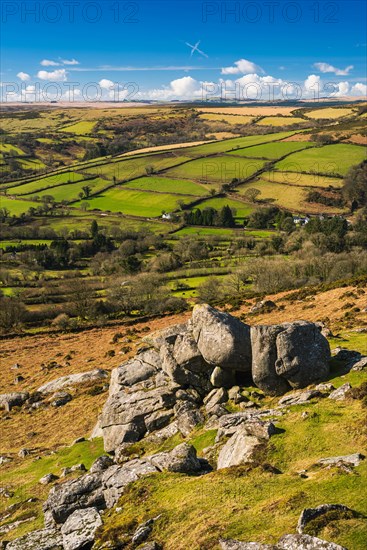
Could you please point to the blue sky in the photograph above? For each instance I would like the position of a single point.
(97, 41)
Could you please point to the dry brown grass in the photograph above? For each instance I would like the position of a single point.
(255, 111)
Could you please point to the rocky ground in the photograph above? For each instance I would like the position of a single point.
(212, 432)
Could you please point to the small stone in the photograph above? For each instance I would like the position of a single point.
(48, 478)
(23, 453)
(340, 393)
(19, 379)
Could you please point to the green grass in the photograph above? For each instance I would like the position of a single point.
(80, 128)
(135, 203)
(167, 185)
(242, 209)
(31, 164)
(19, 242)
(305, 180)
(221, 169)
(273, 150)
(70, 192)
(45, 183)
(133, 167)
(15, 206)
(205, 231)
(292, 197)
(329, 160)
(279, 121)
(252, 504)
(233, 143)
(23, 481)
(10, 149)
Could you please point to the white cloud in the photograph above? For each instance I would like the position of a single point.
(59, 75)
(106, 84)
(70, 62)
(343, 89)
(23, 76)
(312, 83)
(359, 89)
(326, 68)
(242, 66)
(49, 63)
(185, 86)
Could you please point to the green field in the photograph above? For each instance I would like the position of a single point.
(329, 160)
(132, 168)
(233, 143)
(273, 150)
(167, 185)
(135, 203)
(280, 121)
(15, 206)
(220, 169)
(45, 183)
(30, 164)
(292, 197)
(19, 242)
(242, 209)
(222, 231)
(305, 180)
(10, 149)
(70, 191)
(80, 128)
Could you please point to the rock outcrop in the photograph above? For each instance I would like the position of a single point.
(73, 380)
(176, 376)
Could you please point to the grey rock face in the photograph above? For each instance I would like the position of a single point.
(231, 544)
(341, 393)
(222, 378)
(73, 380)
(101, 464)
(303, 354)
(65, 498)
(142, 532)
(139, 369)
(222, 340)
(182, 459)
(306, 542)
(79, 529)
(264, 357)
(298, 398)
(116, 478)
(241, 448)
(187, 417)
(10, 400)
(126, 417)
(44, 539)
(309, 514)
(348, 460)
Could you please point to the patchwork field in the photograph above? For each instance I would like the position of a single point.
(235, 143)
(273, 150)
(220, 169)
(254, 111)
(279, 121)
(168, 185)
(45, 183)
(80, 128)
(10, 149)
(329, 160)
(134, 203)
(242, 209)
(70, 191)
(305, 180)
(286, 196)
(231, 119)
(16, 207)
(129, 169)
(329, 113)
